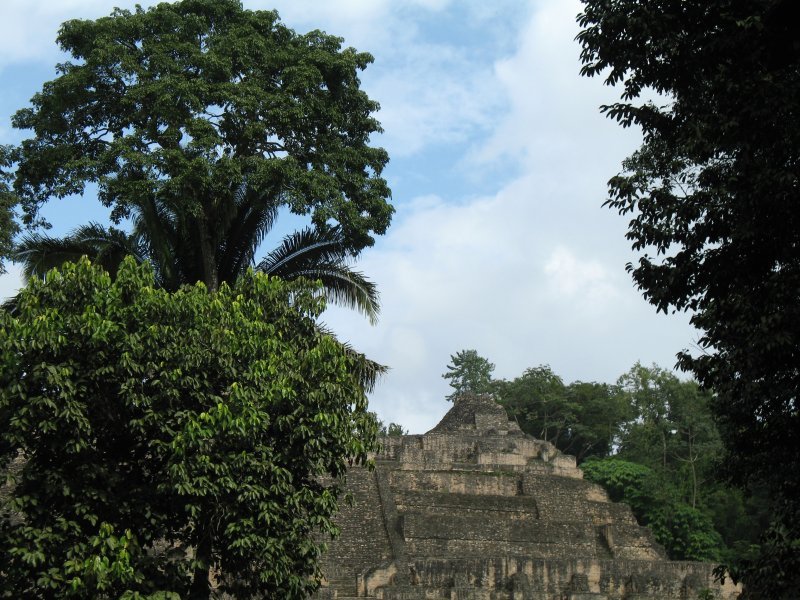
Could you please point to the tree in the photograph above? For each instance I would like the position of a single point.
(157, 237)
(697, 447)
(162, 438)
(537, 400)
(469, 373)
(177, 108)
(394, 430)
(8, 201)
(685, 532)
(582, 419)
(712, 196)
(648, 437)
(671, 429)
(601, 412)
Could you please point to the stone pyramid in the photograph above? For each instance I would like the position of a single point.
(477, 510)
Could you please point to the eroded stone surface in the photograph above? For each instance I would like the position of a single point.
(476, 510)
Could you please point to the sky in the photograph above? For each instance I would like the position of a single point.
(499, 159)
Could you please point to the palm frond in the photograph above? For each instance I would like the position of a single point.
(11, 304)
(39, 253)
(302, 248)
(254, 216)
(367, 371)
(344, 287)
(321, 255)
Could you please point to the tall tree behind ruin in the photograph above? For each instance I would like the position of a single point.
(712, 197)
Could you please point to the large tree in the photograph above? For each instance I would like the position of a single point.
(8, 201)
(161, 441)
(713, 198)
(538, 401)
(177, 106)
(670, 429)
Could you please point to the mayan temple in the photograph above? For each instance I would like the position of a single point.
(477, 510)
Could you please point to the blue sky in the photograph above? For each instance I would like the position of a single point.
(499, 162)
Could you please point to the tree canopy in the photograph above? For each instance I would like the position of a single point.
(469, 372)
(583, 419)
(686, 532)
(8, 202)
(174, 107)
(671, 429)
(712, 197)
(162, 438)
(651, 441)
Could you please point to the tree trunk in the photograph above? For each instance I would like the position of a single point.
(692, 460)
(208, 251)
(201, 583)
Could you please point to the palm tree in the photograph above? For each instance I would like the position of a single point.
(177, 243)
(169, 240)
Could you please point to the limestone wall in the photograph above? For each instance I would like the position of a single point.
(364, 541)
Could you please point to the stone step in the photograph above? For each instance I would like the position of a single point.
(448, 503)
(486, 483)
(348, 586)
(417, 525)
(425, 593)
(472, 593)
(458, 549)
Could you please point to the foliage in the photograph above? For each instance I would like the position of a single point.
(144, 424)
(600, 412)
(469, 373)
(321, 255)
(8, 225)
(159, 238)
(394, 429)
(583, 419)
(660, 451)
(672, 430)
(176, 107)
(712, 197)
(739, 518)
(776, 555)
(537, 401)
(625, 481)
(684, 531)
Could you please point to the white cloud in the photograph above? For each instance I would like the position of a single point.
(428, 90)
(586, 283)
(11, 281)
(499, 275)
(553, 121)
(531, 271)
(28, 28)
(531, 274)
(432, 99)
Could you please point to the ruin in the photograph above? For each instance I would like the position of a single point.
(477, 510)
